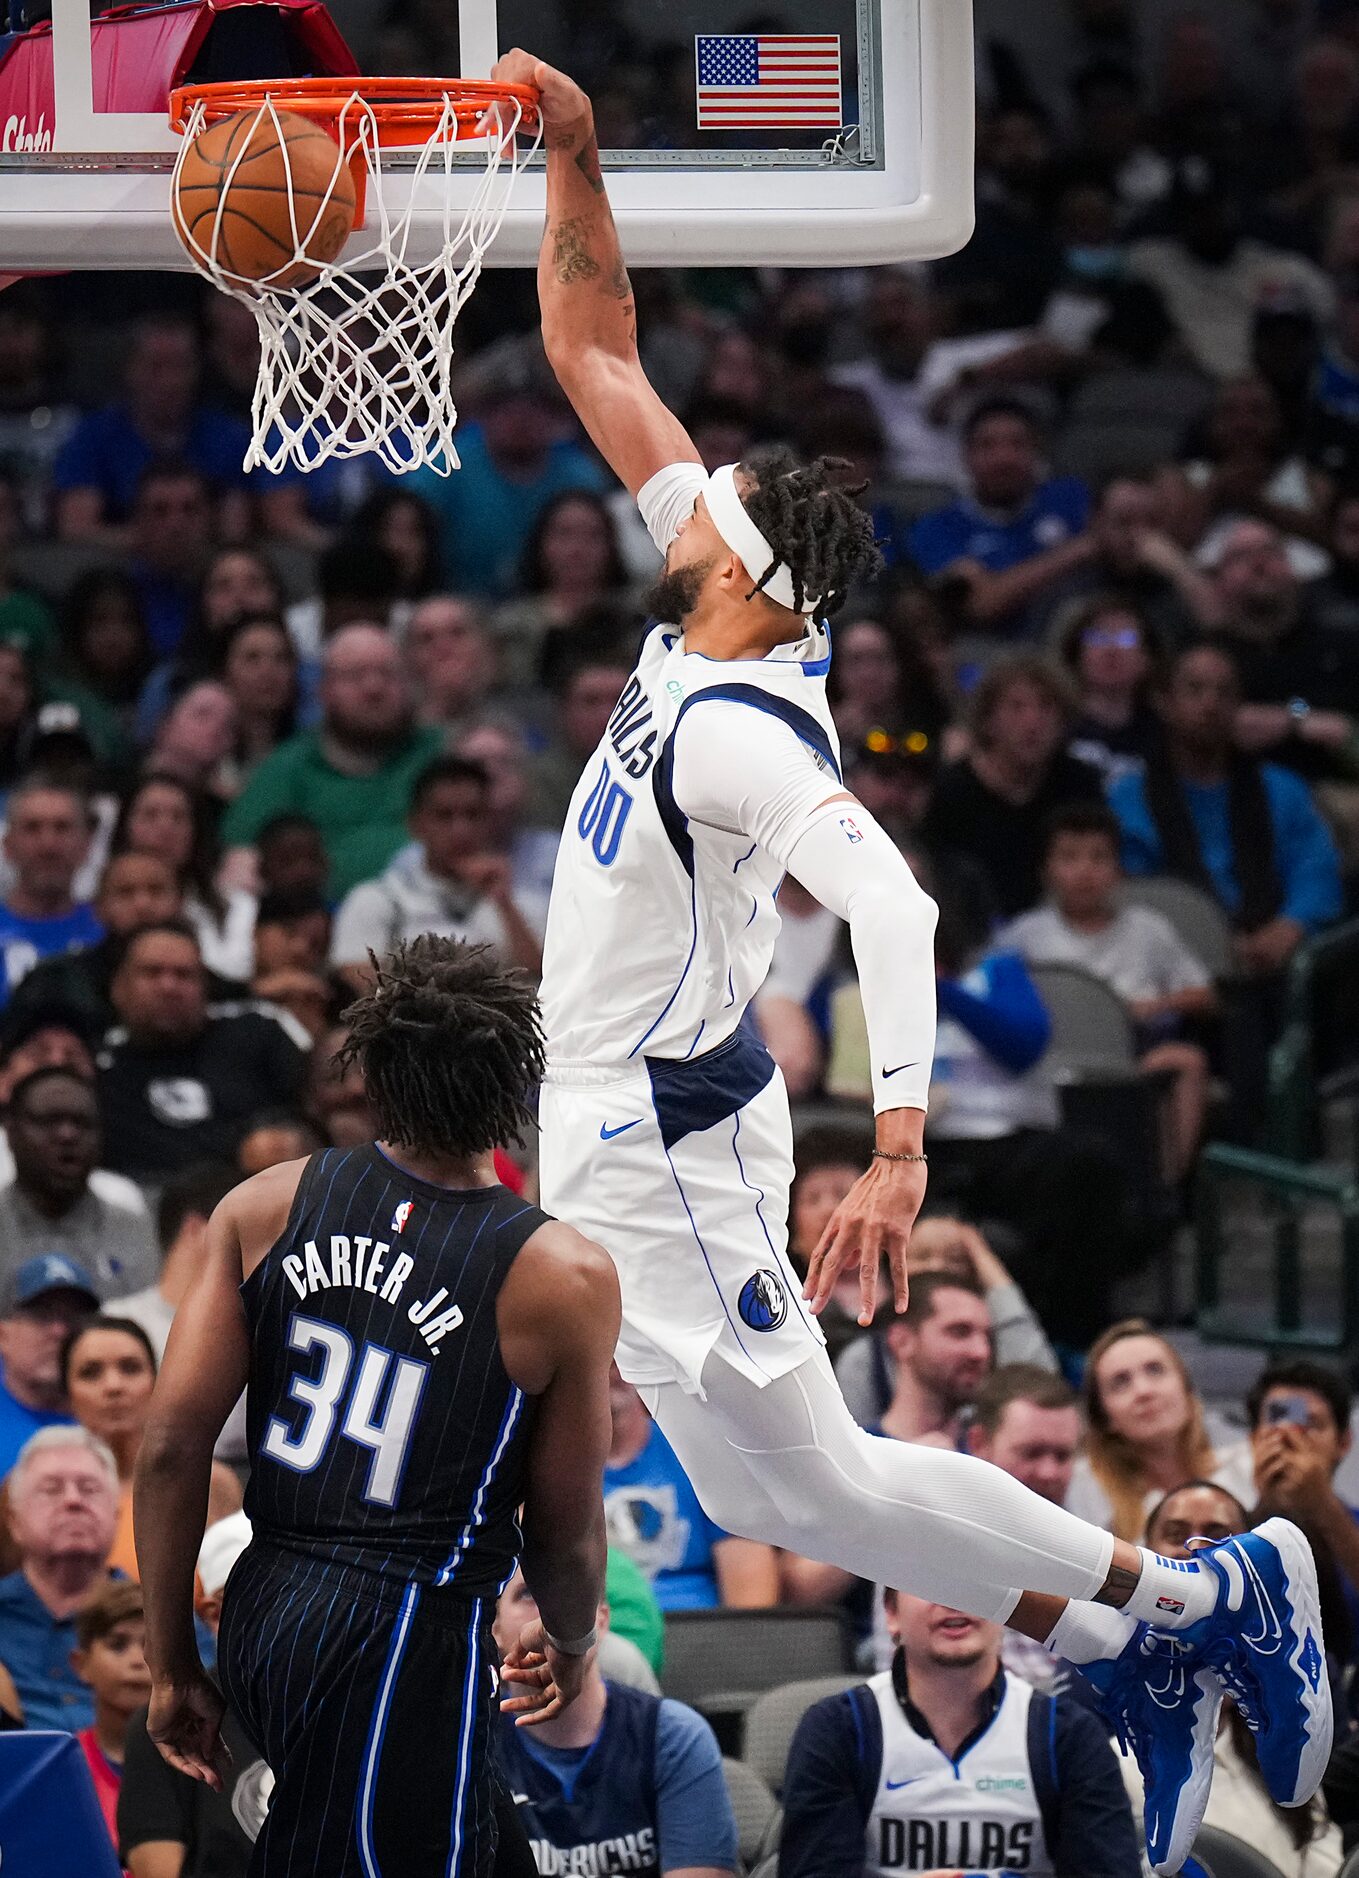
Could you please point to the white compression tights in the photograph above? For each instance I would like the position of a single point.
(789, 1465)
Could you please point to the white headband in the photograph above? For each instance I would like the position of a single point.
(732, 521)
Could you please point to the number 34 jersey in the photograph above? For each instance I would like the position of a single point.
(662, 921)
(384, 1431)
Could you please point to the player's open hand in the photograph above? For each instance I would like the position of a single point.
(549, 1681)
(560, 99)
(185, 1722)
(872, 1223)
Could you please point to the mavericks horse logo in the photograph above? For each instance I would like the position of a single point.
(764, 1302)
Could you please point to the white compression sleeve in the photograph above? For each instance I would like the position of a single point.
(668, 497)
(852, 866)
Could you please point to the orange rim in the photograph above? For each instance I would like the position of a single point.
(408, 111)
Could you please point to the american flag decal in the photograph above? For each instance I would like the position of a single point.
(763, 81)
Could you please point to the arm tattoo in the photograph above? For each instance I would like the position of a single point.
(619, 285)
(571, 259)
(587, 162)
(1118, 1587)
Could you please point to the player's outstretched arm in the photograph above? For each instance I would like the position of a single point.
(589, 316)
(559, 1315)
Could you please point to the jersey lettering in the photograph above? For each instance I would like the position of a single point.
(631, 732)
(385, 1430)
(604, 816)
(946, 1844)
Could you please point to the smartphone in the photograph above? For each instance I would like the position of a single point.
(1288, 1408)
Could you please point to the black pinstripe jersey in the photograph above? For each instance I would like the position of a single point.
(384, 1431)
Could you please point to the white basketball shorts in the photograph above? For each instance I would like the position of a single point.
(681, 1171)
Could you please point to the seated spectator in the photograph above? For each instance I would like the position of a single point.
(622, 1779)
(336, 1099)
(110, 1657)
(273, 1138)
(451, 663)
(1247, 833)
(179, 1077)
(654, 1516)
(169, 1824)
(134, 889)
(108, 1370)
(173, 524)
(1298, 1412)
(584, 699)
(24, 618)
(237, 583)
(1245, 467)
(105, 644)
(63, 1509)
(167, 817)
(502, 751)
(53, 1204)
(47, 838)
(1132, 949)
(1108, 649)
(185, 1206)
(1016, 534)
(98, 472)
(993, 805)
(1297, 1842)
(945, 1760)
(827, 1162)
(292, 945)
(403, 525)
(1332, 600)
(1145, 1430)
(47, 1036)
(881, 679)
(291, 856)
(1026, 1420)
(900, 321)
(514, 459)
(1136, 562)
(41, 1303)
(196, 740)
(941, 1352)
(258, 668)
(450, 884)
(356, 585)
(941, 1245)
(352, 775)
(571, 567)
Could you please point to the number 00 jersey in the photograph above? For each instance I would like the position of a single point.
(384, 1431)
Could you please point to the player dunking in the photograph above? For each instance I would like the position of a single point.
(424, 1352)
(665, 1125)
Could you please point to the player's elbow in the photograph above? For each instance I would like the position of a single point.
(893, 901)
(168, 1446)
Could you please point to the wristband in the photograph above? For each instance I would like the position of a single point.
(574, 1646)
(881, 1154)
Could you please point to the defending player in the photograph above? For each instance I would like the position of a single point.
(424, 1352)
(665, 1125)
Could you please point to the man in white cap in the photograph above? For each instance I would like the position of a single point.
(195, 1829)
(665, 1127)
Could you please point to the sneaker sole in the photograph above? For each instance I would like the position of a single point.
(1193, 1797)
(1305, 1599)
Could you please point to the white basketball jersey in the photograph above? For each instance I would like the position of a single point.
(979, 1814)
(661, 931)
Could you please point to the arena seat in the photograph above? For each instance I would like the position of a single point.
(772, 1723)
(724, 1653)
(1196, 917)
(50, 1820)
(1092, 1033)
(756, 1810)
(1223, 1855)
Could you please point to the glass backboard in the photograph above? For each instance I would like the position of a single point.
(804, 132)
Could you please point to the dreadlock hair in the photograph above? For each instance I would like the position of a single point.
(808, 515)
(449, 1045)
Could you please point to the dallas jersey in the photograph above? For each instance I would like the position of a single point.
(662, 921)
(1034, 1789)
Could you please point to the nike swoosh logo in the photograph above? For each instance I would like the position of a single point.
(607, 1134)
(894, 1785)
(897, 1071)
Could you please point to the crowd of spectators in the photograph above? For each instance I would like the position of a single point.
(254, 728)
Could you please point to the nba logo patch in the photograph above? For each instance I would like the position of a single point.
(763, 1303)
(401, 1215)
(853, 833)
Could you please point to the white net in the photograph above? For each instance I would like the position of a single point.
(357, 358)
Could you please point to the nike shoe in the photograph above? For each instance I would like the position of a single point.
(1264, 1645)
(1163, 1706)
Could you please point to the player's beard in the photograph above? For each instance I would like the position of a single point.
(673, 596)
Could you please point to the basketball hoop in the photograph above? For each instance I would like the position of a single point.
(356, 354)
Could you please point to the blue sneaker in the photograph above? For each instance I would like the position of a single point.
(1264, 1645)
(1163, 1706)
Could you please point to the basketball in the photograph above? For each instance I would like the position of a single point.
(269, 172)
